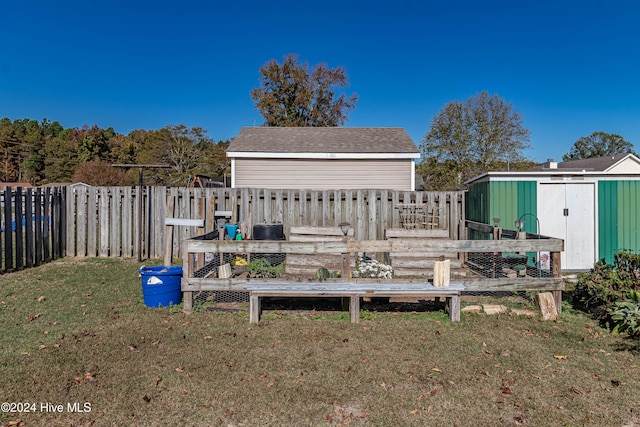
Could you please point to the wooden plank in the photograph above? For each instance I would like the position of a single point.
(416, 233)
(423, 254)
(279, 206)
(360, 216)
(168, 233)
(315, 232)
(314, 260)
(185, 222)
(337, 207)
(355, 288)
(384, 213)
(424, 263)
(372, 202)
(265, 246)
(127, 222)
(478, 226)
(268, 214)
(326, 209)
(293, 218)
(19, 215)
(476, 284)
(314, 209)
(89, 197)
(455, 245)
(347, 215)
(547, 304)
(408, 272)
(309, 238)
(115, 225)
(103, 221)
(395, 200)
(29, 237)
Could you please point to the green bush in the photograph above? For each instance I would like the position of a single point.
(625, 315)
(606, 284)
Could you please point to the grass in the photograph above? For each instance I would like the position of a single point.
(76, 331)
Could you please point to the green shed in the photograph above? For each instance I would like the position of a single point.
(592, 204)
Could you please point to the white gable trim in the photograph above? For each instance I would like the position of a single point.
(627, 164)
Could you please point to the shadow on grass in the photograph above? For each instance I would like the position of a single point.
(335, 304)
(630, 344)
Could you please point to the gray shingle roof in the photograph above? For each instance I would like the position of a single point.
(322, 140)
(594, 163)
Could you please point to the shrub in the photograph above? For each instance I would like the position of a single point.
(606, 284)
(625, 315)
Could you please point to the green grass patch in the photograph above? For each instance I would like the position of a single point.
(78, 331)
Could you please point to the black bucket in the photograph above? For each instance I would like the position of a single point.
(268, 232)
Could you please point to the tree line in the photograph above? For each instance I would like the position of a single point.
(465, 139)
(41, 152)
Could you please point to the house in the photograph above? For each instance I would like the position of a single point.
(592, 204)
(323, 158)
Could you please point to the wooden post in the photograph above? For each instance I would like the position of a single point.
(346, 273)
(187, 297)
(201, 230)
(254, 309)
(556, 271)
(168, 232)
(497, 235)
(453, 305)
(354, 308)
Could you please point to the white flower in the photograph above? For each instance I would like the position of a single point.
(373, 269)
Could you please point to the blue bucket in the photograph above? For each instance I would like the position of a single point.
(161, 285)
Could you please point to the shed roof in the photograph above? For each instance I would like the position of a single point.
(322, 140)
(595, 164)
(625, 166)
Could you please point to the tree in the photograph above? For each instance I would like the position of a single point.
(598, 144)
(291, 95)
(96, 172)
(476, 135)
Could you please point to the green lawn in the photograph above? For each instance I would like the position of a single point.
(76, 332)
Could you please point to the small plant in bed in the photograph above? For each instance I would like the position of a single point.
(261, 268)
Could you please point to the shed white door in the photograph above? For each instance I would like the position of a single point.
(567, 211)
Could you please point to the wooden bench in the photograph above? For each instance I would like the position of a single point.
(353, 291)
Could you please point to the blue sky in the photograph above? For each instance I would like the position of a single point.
(570, 68)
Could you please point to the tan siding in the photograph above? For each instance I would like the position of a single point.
(323, 174)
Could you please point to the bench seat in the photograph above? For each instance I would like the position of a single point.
(353, 291)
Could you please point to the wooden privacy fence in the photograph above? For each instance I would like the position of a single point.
(122, 222)
(33, 226)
